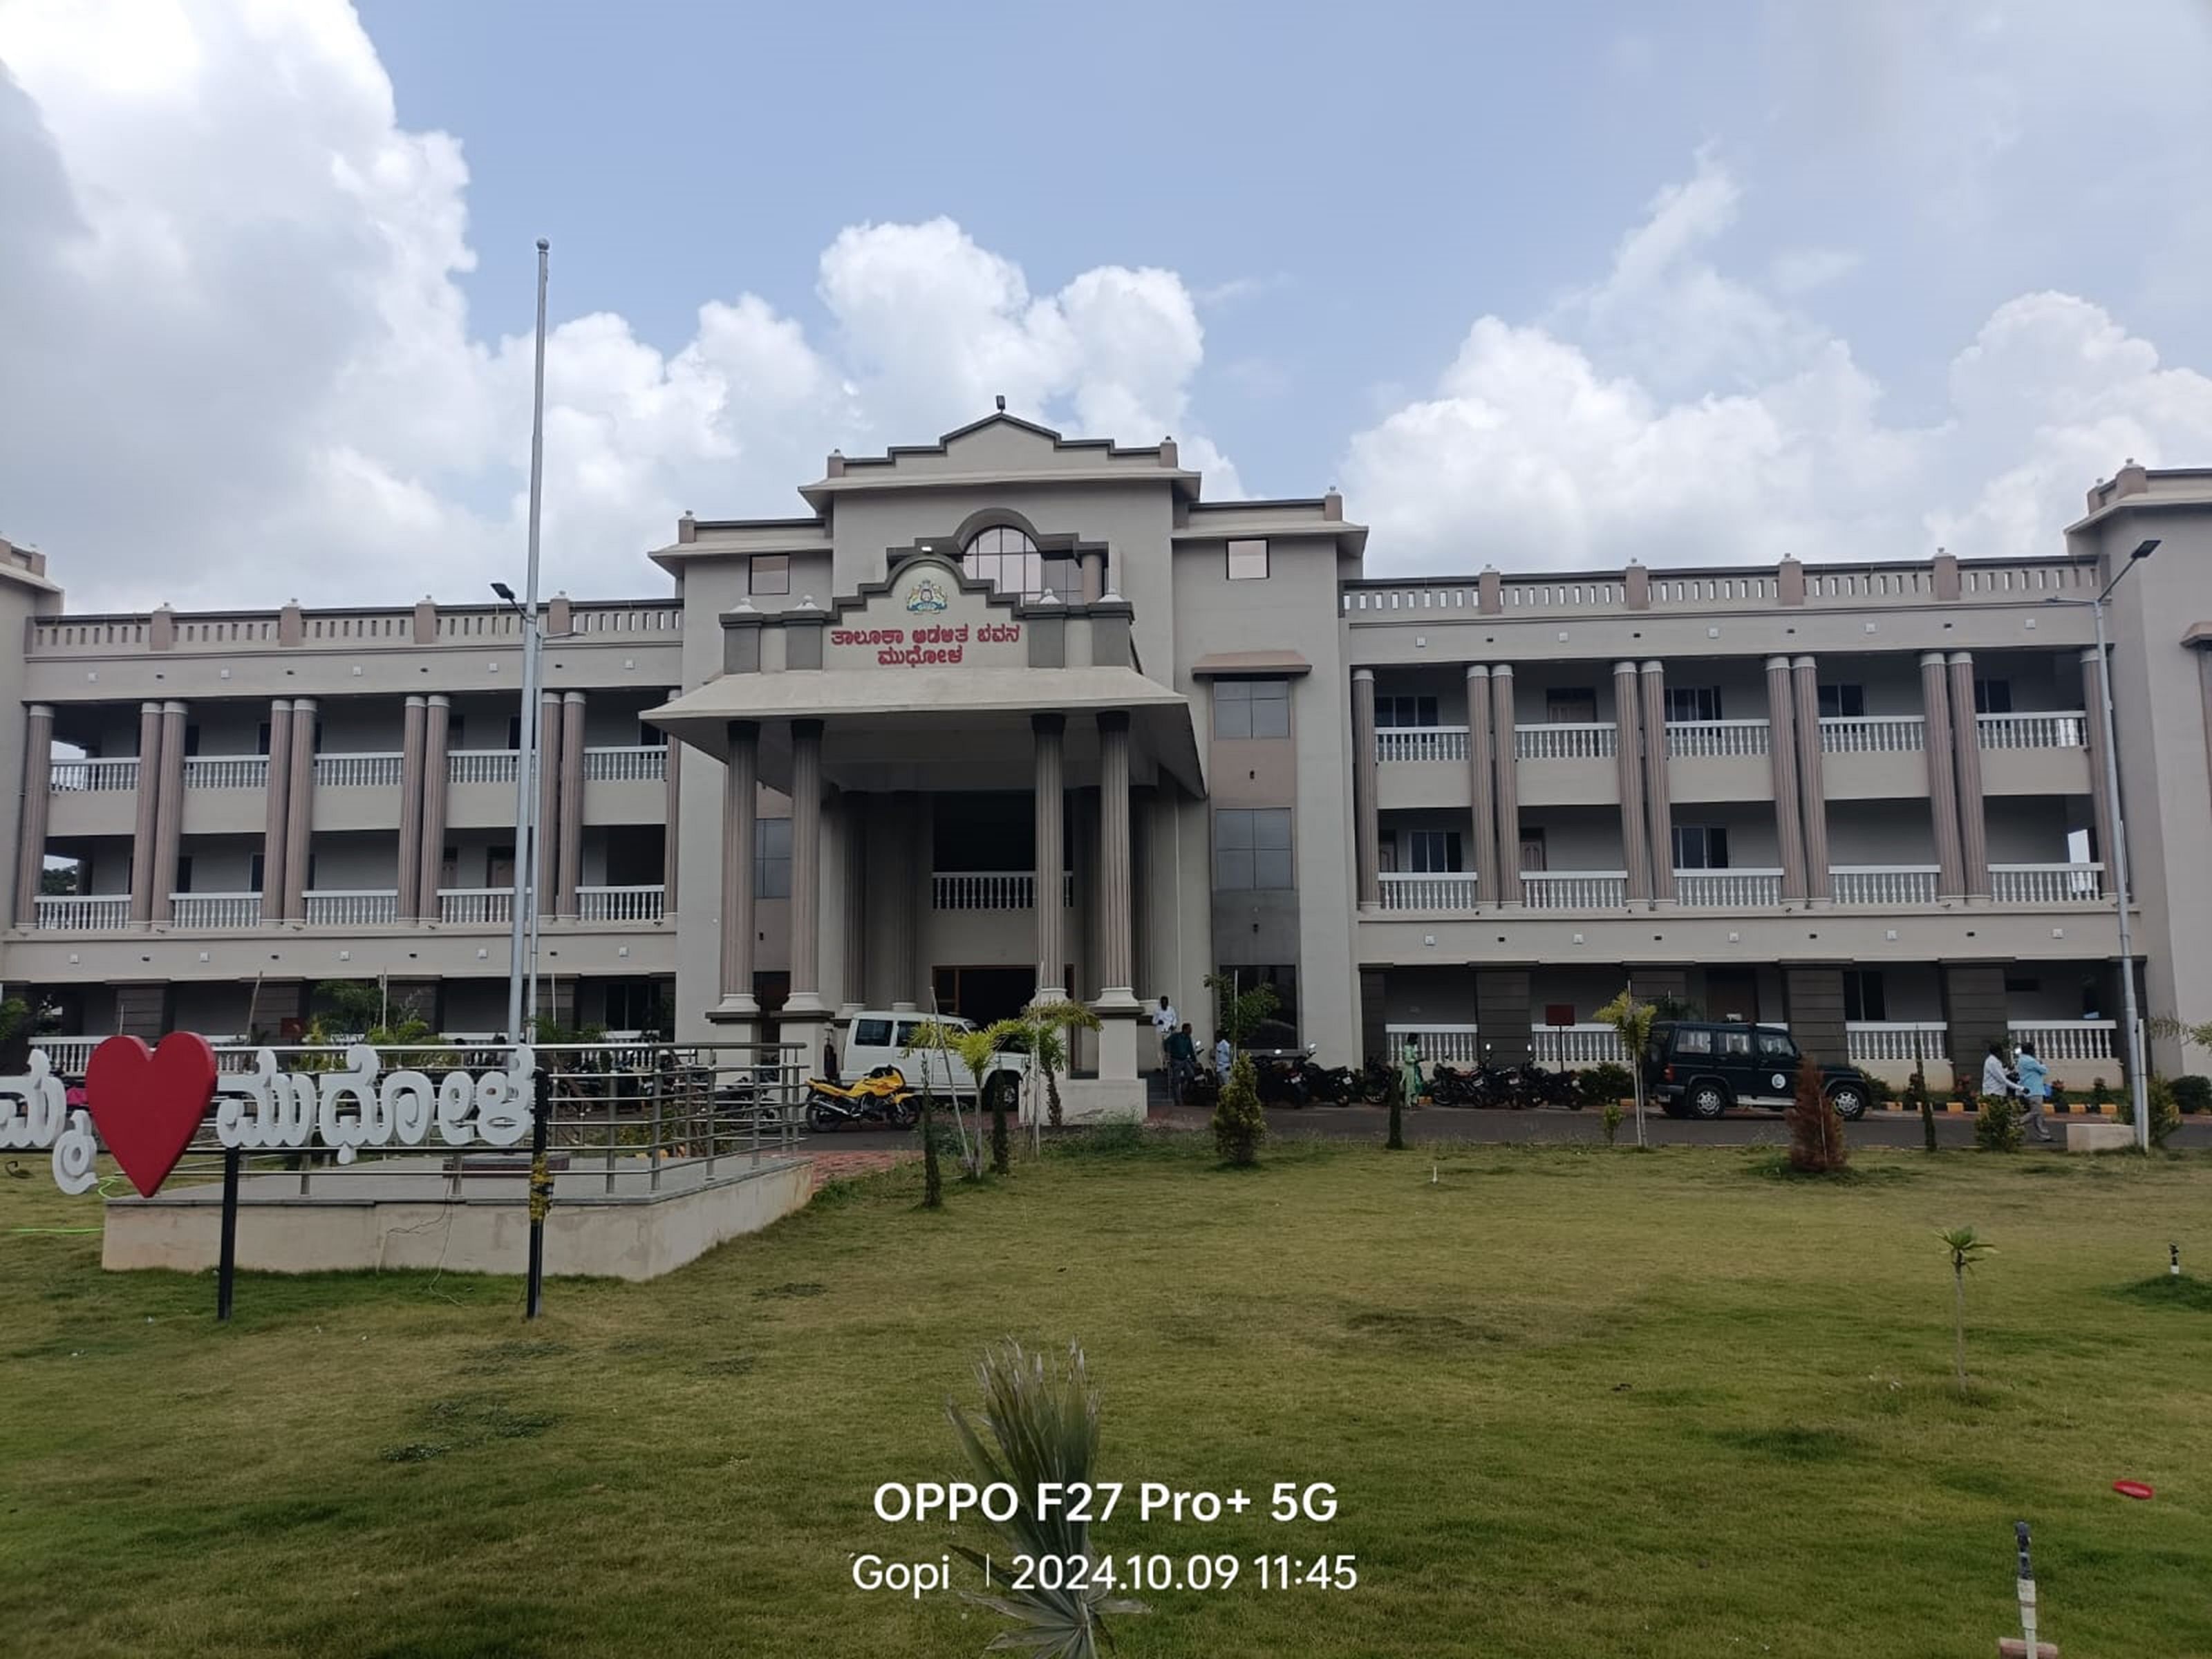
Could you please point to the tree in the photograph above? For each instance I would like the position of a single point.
(934, 1036)
(1816, 1132)
(1633, 1020)
(1238, 1013)
(1239, 1125)
(1965, 1249)
(1046, 1025)
(1916, 1096)
(59, 880)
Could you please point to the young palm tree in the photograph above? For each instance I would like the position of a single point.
(1965, 1249)
(1633, 1019)
(1042, 1026)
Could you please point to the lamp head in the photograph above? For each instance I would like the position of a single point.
(2145, 549)
(504, 592)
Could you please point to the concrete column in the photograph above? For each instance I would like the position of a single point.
(546, 870)
(38, 792)
(1092, 567)
(1658, 793)
(1966, 750)
(1813, 996)
(298, 808)
(740, 801)
(1506, 791)
(1976, 1010)
(1799, 879)
(1366, 821)
(430, 851)
(1628, 764)
(670, 839)
(1049, 732)
(411, 809)
(854, 811)
(143, 858)
(276, 816)
(901, 923)
(805, 996)
(2092, 729)
(1943, 782)
(1116, 971)
(169, 810)
(571, 844)
(1812, 787)
(1482, 790)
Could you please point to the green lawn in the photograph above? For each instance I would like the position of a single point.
(1572, 1402)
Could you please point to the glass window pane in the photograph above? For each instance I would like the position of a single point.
(1232, 868)
(1271, 826)
(1693, 1042)
(1248, 561)
(1270, 870)
(1232, 827)
(1271, 709)
(1735, 1042)
(872, 1033)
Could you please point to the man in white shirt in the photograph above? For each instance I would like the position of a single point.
(1223, 1058)
(1164, 1026)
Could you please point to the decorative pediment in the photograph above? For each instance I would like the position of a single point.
(929, 614)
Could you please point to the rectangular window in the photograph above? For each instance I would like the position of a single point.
(1434, 852)
(872, 1034)
(183, 875)
(1694, 702)
(1992, 696)
(1252, 848)
(261, 742)
(770, 573)
(1736, 1044)
(1843, 703)
(515, 734)
(1863, 999)
(1397, 712)
(1776, 1045)
(253, 880)
(1571, 705)
(1063, 578)
(1700, 847)
(1693, 1042)
(1251, 709)
(771, 858)
(1248, 561)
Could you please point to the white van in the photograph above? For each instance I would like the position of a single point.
(877, 1037)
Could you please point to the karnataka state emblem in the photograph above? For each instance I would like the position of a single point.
(928, 594)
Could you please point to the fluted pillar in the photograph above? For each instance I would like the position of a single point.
(412, 732)
(1943, 782)
(276, 812)
(1628, 766)
(740, 801)
(852, 813)
(546, 866)
(144, 860)
(299, 809)
(1506, 789)
(1366, 819)
(670, 839)
(571, 845)
(1482, 788)
(1116, 970)
(2092, 729)
(1799, 880)
(1049, 732)
(437, 769)
(901, 924)
(1812, 783)
(169, 811)
(805, 870)
(1966, 750)
(1658, 791)
(38, 792)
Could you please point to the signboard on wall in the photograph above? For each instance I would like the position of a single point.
(925, 620)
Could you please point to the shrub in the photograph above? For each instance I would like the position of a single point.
(2193, 1094)
(1610, 1118)
(1239, 1125)
(1606, 1085)
(2164, 1115)
(1878, 1092)
(2058, 1103)
(2100, 1092)
(1997, 1126)
(1816, 1133)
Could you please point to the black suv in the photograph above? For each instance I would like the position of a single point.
(1700, 1069)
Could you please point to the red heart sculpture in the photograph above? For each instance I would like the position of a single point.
(148, 1103)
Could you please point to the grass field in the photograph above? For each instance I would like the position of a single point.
(1572, 1402)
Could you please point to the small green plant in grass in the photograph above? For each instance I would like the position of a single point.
(1816, 1130)
(1997, 1126)
(1610, 1118)
(1042, 1424)
(1239, 1125)
(2164, 1115)
(2193, 1094)
(2100, 1093)
(1965, 1249)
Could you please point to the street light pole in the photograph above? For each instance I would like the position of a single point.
(526, 835)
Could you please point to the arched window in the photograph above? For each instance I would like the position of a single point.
(1008, 560)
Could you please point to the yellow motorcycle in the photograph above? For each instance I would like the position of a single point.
(882, 1098)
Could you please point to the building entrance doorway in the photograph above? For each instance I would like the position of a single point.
(1731, 993)
(984, 994)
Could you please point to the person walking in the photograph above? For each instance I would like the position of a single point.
(1998, 1082)
(1183, 1062)
(1223, 1058)
(1164, 1026)
(2035, 1090)
(1409, 1072)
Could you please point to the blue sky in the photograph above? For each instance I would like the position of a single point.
(1538, 286)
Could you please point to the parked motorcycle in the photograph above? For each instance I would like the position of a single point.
(881, 1098)
(1282, 1082)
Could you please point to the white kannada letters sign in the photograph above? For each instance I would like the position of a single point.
(265, 1109)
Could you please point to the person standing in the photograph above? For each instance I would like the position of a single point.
(1164, 1027)
(1409, 1072)
(1223, 1058)
(2035, 1090)
(1183, 1062)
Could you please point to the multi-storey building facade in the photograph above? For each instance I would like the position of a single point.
(1011, 712)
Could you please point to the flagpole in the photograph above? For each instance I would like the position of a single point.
(524, 901)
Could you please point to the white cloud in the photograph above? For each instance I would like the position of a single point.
(1800, 270)
(240, 365)
(1596, 436)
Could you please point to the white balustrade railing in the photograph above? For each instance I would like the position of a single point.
(1567, 740)
(1896, 1039)
(1574, 889)
(1719, 890)
(70, 776)
(991, 890)
(342, 771)
(1403, 891)
(78, 914)
(214, 909)
(1865, 734)
(481, 765)
(1565, 1046)
(2047, 884)
(226, 771)
(1692, 738)
(1453, 1045)
(2063, 729)
(2067, 1039)
(620, 903)
(476, 905)
(356, 907)
(636, 763)
(1420, 743)
(1883, 884)
(68, 1056)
